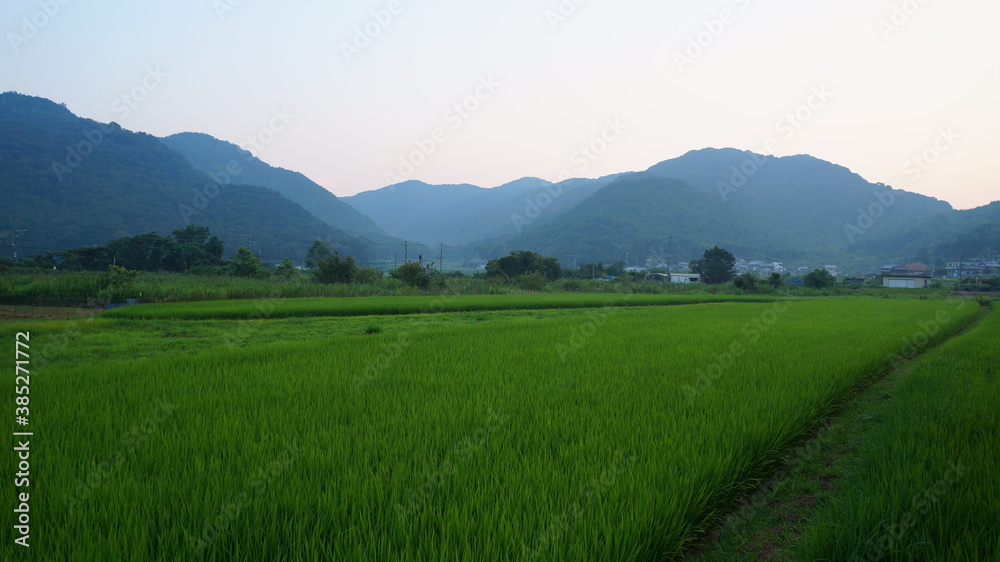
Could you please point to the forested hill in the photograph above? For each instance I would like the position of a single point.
(754, 205)
(73, 182)
(211, 155)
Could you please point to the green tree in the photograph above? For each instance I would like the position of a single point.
(413, 274)
(143, 252)
(715, 266)
(87, 258)
(214, 249)
(39, 261)
(192, 246)
(286, 269)
(616, 269)
(519, 263)
(318, 252)
(774, 280)
(819, 279)
(587, 271)
(245, 264)
(336, 269)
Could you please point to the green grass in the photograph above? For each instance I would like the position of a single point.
(81, 341)
(606, 434)
(79, 288)
(375, 306)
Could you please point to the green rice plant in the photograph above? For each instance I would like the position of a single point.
(533, 439)
(923, 485)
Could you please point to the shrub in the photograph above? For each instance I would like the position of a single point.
(746, 282)
(336, 269)
(119, 276)
(572, 285)
(366, 275)
(534, 281)
(206, 270)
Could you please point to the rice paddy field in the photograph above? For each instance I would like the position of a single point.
(569, 429)
(925, 486)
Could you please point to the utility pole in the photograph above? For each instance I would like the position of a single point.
(248, 240)
(669, 240)
(593, 265)
(394, 266)
(406, 252)
(441, 257)
(17, 232)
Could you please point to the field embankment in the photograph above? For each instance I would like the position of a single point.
(380, 306)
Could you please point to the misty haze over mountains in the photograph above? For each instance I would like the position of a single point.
(84, 183)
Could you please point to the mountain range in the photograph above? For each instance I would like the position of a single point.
(72, 182)
(463, 214)
(795, 207)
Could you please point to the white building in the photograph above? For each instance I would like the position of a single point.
(685, 278)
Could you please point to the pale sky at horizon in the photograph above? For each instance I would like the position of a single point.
(546, 86)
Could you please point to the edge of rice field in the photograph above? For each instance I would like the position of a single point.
(382, 306)
(772, 521)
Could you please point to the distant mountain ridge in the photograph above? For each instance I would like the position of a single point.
(75, 182)
(793, 206)
(211, 155)
(752, 204)
(464, 213)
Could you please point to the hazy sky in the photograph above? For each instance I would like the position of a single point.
(487, 92)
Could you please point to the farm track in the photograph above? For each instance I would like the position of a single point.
(10, 312)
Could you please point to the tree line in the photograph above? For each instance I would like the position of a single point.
(193, 249)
